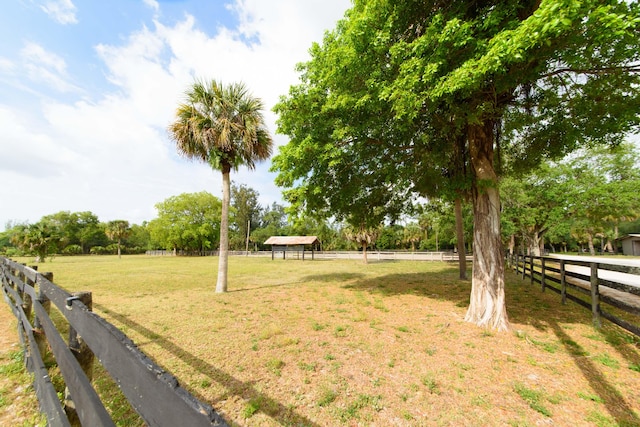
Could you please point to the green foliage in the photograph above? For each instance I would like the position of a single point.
(439, 99)
(72, 250)
(39, 239)
(587, 195)
(246, 214)
(189, 221)
(117, 230)
(221, 125)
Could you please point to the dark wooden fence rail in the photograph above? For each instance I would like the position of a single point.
(554, 274)
(152, 392)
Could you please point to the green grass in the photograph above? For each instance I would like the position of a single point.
(607, 360)
(534, 398)
(16, 391)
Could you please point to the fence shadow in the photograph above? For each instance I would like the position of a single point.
(282, 414)
(612, 399)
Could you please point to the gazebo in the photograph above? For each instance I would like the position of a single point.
(296, 244)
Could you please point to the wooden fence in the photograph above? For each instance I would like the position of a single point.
(152, 392)
(601, 283)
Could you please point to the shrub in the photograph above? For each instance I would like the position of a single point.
(98, 250)
(72, 250)
(113, 249)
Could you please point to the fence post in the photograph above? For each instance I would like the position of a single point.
(22, 278)
(595, 296)
(524, 266)
(563, 282)
(27, 304)
(39, 336)
(531, 268)
(542, 286)
(83, 355)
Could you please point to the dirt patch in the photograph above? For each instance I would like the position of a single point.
(18, 404)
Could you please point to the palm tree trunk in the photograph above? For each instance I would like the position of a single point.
(223, 260)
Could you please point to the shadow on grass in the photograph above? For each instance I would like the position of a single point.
(544, 310)
(282, 414)
(332, 277)
(442, 285)
(256, 288)
(612, 399)
(624, 344)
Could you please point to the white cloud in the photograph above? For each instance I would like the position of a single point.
(46, 67)
(111, 154)
(61, 11)
(7, 66)
(31, 150)
(153, 4)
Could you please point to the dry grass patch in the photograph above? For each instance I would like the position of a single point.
(327, 343)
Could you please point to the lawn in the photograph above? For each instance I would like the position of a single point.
(329, 343)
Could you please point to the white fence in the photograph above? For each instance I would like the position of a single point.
(371, 255)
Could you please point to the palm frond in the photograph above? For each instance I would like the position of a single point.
(221, 125)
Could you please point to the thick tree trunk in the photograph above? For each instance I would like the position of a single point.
(364, 253)
(462, 254)
(592, 249)
(223, 260)
(487, 303)
(535, 244)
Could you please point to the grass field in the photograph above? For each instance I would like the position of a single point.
(330, 343)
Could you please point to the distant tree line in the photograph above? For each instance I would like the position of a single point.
(582, 203)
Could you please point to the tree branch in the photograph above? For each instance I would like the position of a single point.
(595, 71)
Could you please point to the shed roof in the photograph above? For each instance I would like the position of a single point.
(629, 236)
(291, 240)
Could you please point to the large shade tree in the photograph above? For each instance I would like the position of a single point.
(406, 93)
(223, 126)
(188, 222)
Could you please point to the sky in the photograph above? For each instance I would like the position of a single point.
(88, 88)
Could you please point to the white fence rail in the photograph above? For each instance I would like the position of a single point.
(371, 255)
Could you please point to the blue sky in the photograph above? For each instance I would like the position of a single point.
(87, 89)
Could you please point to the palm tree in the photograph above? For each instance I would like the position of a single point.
(36, 238)
(117, 230)
(222, 125)
(363, 236)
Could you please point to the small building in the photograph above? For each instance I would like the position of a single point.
(296, 244)
(630, 244)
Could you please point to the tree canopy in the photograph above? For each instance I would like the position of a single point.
(417, 97)
(189, 222)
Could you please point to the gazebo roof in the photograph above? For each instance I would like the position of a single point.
(291, 240)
